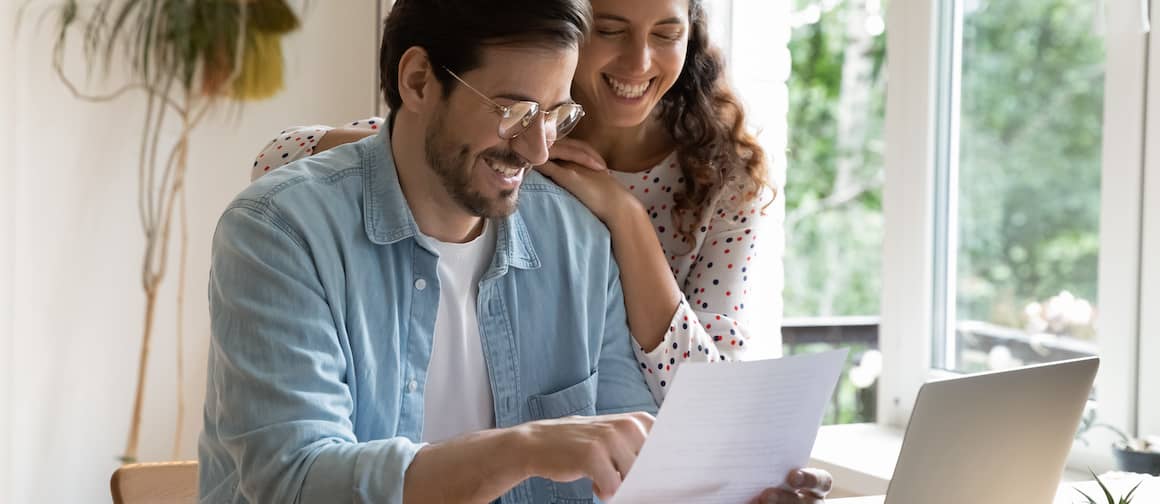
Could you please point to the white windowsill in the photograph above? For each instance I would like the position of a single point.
(861, 457)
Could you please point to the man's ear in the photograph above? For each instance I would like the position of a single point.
(418, 87)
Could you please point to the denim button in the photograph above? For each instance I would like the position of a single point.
(420, 284)
(414, 385)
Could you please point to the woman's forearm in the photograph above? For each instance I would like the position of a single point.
(651, 293)
(339, 136)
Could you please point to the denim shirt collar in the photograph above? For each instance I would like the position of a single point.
(388, 219)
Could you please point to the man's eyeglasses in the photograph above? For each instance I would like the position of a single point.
(516, 118)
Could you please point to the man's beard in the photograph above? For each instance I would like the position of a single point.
(450, 164)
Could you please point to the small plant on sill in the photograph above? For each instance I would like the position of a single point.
(1125, 499)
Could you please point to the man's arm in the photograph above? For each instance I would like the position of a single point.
(600, 448)
(281, 409)
(622, 387)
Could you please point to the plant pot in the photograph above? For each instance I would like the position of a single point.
(1137, 461)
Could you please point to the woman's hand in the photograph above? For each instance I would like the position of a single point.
(806, 486)
(579, 169)
(579, 152)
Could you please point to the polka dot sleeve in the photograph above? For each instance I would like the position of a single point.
(710, 323)
(298, 142)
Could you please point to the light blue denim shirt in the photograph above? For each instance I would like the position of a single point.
(323, 298)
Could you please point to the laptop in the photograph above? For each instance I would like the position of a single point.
(996, 438)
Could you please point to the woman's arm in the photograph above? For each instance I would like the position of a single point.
(299, 142)
(711, 323)
(702, 321)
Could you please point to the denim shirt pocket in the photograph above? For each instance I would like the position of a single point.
(578, 399)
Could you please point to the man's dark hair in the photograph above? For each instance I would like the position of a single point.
(454, 31)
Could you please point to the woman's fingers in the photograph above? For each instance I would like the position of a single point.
(579, 152)
(815, 481)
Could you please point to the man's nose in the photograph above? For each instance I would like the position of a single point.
(533, 144)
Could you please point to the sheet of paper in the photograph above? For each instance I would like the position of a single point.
(729, 430)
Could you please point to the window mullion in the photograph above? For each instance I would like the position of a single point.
(1149, 345)
(1120, 219)
(907, 266)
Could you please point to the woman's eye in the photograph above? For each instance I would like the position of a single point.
(671, 37)
(609, 33)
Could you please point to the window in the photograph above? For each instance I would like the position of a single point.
(833, 196)
(1015, 155)
(1022, 216)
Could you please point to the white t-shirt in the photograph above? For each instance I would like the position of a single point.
(457, 398)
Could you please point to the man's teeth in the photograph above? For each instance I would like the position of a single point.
(504, 169)
(626, 90)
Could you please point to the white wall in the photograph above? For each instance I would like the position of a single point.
(7, 171)
(71, 247)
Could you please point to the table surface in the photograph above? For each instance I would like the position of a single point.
(1118, 483)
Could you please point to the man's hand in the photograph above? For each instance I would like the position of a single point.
(601, 448)
(806, 486)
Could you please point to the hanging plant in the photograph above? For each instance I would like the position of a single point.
(183, 56)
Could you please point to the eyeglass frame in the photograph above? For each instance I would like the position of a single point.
(505, 111)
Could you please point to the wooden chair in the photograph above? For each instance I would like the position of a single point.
(155, 483)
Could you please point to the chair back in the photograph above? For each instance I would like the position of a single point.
(155, 483)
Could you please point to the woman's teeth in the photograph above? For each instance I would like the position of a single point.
(626, 90)
(503, 169)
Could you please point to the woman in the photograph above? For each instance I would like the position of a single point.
(663, 158)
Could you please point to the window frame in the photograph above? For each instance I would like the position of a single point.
(910, 273)
(908, 207)
(1148, 422)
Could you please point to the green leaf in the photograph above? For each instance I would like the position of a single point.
(1128, 498)
(1111, 500)
(1088, 497)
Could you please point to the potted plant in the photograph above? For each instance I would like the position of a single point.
(1134, 455)
(182, 57)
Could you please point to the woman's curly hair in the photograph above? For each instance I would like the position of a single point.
(706, 120)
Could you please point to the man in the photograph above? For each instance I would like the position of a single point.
(387, 327)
